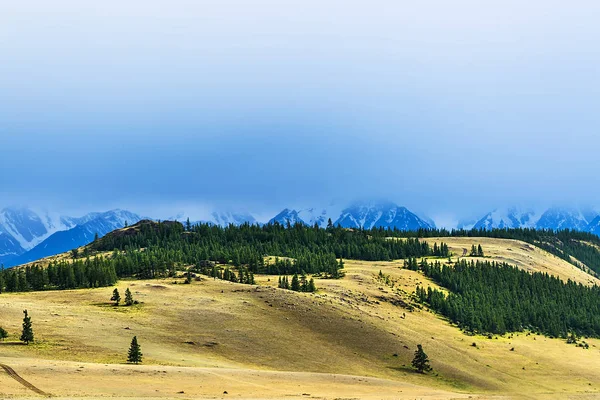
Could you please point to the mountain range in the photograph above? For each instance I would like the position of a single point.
(357, 215)
(585, 219)
(27, 235)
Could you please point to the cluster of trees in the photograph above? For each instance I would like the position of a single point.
(299, 284)
(570, 245)
(314, 250)
(88, 273)
(441, 250)
(116, 297)
(244, 275)
(476, 251)
(325, 264)
(489, 297)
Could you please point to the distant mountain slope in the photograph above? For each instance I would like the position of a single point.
(511, 217)
(287, 216)
(380, 214)
(564, 218)
(62, 241)
(21, 228)
(235, 218)
(594, 226)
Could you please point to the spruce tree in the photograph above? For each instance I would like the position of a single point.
(135, 354)
(116, 297)
(421, 361)
(311, 286)
(295, 283)
(27, 334)
(479, 251)
(3, 333)
(128, 297)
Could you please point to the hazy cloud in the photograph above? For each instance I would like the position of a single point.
(449, 108)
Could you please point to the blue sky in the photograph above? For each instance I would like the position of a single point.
(445, 107)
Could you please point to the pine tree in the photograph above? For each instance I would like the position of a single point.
(128, 297)
(295, 283)
(473, 251)
(135, 354)
(479, 251)
(329, 224)
(3, 333)
(116, 297)
(95, 237)
(311, 286)
(27, 334)
(421, 361)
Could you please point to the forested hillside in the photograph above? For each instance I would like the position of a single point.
(149, 250)
(488, 297)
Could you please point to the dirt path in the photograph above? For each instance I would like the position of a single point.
(11, 372)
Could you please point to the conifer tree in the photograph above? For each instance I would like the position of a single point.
(479, 251)
(3, 333)
(128, 297)
(116, 297)
(295, 283)
(329, 224)
(473, 251)
(421, 361)
(311, 286)
(135, 354)
(27, 334)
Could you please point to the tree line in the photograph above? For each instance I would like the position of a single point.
(490, 297)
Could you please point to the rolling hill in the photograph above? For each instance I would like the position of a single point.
(354, 338)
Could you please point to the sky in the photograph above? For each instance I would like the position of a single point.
(448, 108)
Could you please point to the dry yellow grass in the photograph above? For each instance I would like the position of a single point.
(520, 254)
(352, 339)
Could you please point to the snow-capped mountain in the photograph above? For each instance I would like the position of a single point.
(287, 216)
(79, 235)
(511, 217)
(22, 228)
(466, 224)
(309, 216)
(553, 218)
(380, 214)
(594, 226)
(227, 218)
(565, 218)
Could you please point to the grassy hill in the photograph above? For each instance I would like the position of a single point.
(354, 338)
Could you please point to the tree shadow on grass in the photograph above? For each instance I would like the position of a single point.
(12, 343)
(405, 369)
(105, 305)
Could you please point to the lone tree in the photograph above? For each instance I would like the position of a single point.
(3, 333)
(116, 297)
(421, 361)
(135, 354)
(27, 335)
(128, 297)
